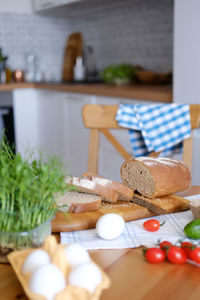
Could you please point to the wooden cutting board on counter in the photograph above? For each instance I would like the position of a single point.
(128, 210)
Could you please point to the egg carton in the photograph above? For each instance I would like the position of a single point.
(58, 258)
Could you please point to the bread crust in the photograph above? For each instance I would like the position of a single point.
(85, 207)
(124, 192)
(88, 186)
(78, 202)
(168, 176)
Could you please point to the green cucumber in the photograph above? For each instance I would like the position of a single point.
(192, 229)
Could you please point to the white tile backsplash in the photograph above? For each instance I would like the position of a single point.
(132, 31)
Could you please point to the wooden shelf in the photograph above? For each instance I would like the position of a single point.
(141, 92)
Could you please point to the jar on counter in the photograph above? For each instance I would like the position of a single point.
(2, 73)
(79, 69)
(18, 75)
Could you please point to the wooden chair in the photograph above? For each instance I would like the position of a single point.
(101, 118)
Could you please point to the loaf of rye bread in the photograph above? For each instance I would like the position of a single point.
(78, 202)
(155, 177)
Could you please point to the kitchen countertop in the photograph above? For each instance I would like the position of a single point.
(142, 92)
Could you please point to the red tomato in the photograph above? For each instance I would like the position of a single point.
(151, 225)
(176, 255)
(186, 247)
(155, 255)
(195, 254)
(165, 245)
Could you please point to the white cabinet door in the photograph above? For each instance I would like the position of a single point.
(52, 122)
(40, 5)
(78, 140)
(39, 122)
(46, 4)
(13, 6)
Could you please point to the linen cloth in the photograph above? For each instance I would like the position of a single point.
(134, 235)
(155, 127)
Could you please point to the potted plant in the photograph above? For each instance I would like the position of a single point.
(118, 74)
(27, 205)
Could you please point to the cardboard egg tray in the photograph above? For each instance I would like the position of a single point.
(58, 258)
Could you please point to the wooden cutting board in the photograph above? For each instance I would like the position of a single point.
(128, 210)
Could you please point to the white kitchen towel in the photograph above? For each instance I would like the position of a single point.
(155, 127)
(134, 234)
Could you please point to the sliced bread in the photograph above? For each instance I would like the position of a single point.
(78, 202)
(124, 192)
(91, 187)
(155, 177)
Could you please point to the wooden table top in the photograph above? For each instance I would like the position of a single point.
(132, 278)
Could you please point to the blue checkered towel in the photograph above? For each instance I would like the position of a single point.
(155, 127)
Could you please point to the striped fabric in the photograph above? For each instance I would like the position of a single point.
(155, 127)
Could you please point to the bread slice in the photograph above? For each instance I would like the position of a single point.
(78, 202)
(155, 177)
(91, 187)
(124, 192)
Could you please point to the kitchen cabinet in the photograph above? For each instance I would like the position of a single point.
(13, 6)
(40, 122)
(52, 121)
(40, 5)
(78, 136)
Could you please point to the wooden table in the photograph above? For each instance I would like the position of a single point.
(132, 278)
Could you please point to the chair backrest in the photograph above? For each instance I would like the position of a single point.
(101, 118)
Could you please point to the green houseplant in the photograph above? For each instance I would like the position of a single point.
(27, 204)
(118, 74)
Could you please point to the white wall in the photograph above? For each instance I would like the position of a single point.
(187, 51)
(186, 85)
(129, 31)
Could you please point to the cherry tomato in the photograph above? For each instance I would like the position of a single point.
(195, 254)
(176, 255)
(155, 255)
(151, 225)
(186, 247)
(165, 245)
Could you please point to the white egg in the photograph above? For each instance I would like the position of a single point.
(34, 260)
(86, 275)
(47, 280)
(76, 255)
(110, 226)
